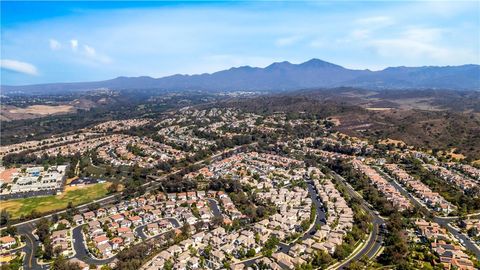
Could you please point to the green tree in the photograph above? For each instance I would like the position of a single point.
(61, 263)
(4, 217)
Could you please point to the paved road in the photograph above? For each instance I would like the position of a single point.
(81, 250)
(83, 254)
(28, 194)
(370, 250)
(319, 220)
(30, 262)
(26, 227)
(404, 192)
(469, 244)
(374, 244)
(444, 221)
(215, 208)
(139, 231)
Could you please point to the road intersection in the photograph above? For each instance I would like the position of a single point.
(443, 221)
(32, 244)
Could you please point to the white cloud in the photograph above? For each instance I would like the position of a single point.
(424, 34)
(317, 43)
(420, 43)
(54, 44)
(18, 66)
(406, 48)
(375, 21)
(420, 50)
(90, 51)
(368, 26)
(92, 54)
(286, 41)
(361, 33)
(74, 44)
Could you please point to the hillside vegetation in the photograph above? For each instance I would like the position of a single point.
(427, 129)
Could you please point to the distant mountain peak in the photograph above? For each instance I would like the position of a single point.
(241, 68)
(137, 77)
(279, 65)
(280, 76)
(317, 63)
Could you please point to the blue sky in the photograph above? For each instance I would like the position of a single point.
(43, 42)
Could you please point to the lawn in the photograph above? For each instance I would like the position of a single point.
(76, 195)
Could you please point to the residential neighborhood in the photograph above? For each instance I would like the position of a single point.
(200, 193)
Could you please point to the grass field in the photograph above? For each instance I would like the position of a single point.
(76, 195)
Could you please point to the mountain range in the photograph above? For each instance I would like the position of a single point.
(282, 76)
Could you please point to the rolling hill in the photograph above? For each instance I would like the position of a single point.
(282, 76)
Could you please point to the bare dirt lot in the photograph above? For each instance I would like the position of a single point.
(43, 109)
(9, 113)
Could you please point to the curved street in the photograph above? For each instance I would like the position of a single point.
(370, 249)
(81, 249)
(374, 243)
(31, 245)
(215, 208)
(139, 230)
(84, 255)
(319, 218)
(26, 227)
(443, 221)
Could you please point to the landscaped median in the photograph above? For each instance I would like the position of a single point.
(360, 246)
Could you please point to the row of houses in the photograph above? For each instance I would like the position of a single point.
(432, 199)
(119, 125)
(461, 181)
(44, 144)
(118, 151)
(183, 135)
(387, 189)
(327, 155)
(81, 145)
(467, 169)
(252, 168)
(339, 218)
(451, 255)
(109, 235)
(62, 239)
(218, 246)
(111, 229)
